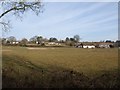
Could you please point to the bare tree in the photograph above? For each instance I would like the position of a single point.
(18, 9)
(77, 38)
(11, 39)
(39, 39)
(24, 41)
(33, 39)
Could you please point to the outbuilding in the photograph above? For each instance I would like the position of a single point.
(106, 45)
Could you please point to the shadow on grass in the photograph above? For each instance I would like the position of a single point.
(21, 73)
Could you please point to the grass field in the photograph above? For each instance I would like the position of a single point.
(59, 67)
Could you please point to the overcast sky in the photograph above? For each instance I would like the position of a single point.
(91, 21)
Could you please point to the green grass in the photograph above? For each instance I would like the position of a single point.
(60, 67)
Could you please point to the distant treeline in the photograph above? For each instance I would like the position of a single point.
(41, 41)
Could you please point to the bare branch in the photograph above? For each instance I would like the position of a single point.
(5, 25)
(6, 12)
(22, 6)
(19, 8)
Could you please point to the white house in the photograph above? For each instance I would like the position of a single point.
(105, 45)
(88, 46)
(15, 42)
(51, 43)
(36, 42)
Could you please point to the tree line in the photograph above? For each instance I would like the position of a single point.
(40, 40)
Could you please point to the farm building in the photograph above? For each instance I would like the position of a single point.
(15, 42)
(79, 45)
(85, 45)
(106, 45)
(95, 45)
(40, 43)
(53, 43)
(88, 46)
